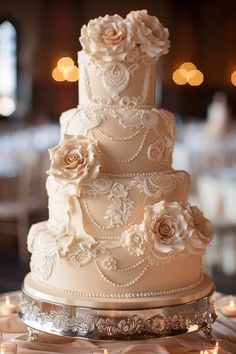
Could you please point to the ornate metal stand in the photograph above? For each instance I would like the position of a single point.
(106, 324)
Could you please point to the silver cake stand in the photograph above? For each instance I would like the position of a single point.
(125, 321)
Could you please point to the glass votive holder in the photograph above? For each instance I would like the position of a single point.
(8, 305)
(8, 348)
(226, 305)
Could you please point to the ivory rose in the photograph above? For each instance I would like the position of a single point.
(202, 231)
(107, 38)
(150, 33)
(74, 160)
(166, 228)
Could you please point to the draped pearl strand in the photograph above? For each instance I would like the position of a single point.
(120, 139)
(130, 159)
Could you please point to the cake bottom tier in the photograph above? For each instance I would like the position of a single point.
(44, 292)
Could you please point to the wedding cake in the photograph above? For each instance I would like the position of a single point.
(121, 233)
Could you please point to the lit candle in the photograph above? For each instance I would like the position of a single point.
(8, 348)
(105, 351)
(230, 309)
(226, 305)
(7, 308)
(216, 350)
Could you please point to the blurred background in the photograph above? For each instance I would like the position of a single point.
(196, 81)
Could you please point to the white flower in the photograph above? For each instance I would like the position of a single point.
(150, 118)
(77, 250)
(202, 231)
(114, 214)
(74, 160)
(107, 38)
(101, 185)
(150, 33)
(109, 263)
(58, 208)
(166, 229)
(45, 243)
(41, 265)
(118, 190)
(133, 239)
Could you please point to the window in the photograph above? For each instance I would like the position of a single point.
(8, 68)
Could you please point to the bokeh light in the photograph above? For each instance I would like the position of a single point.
(179, 77)
(65, 64)
(57, 75)
(73, 75)
(188, 66)
(7, 106)
(195, 77)
(188, 73)
(66, 70)
(233, 78)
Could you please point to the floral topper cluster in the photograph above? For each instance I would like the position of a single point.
(112, 37)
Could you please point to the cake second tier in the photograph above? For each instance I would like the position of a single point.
(125, 140)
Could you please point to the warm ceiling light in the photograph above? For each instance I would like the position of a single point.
(73, 75)
(233, 78)
(179, 77)
(7, 106)
(65, 64)
(188, 66)
(195, 77)
(57, 75)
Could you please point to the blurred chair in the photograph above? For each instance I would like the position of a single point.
(29, 198)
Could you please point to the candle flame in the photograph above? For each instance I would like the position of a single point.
(8, 302)
(232, 303)
(105, 351)
(216, 348)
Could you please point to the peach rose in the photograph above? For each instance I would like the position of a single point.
(150, 33)
(74, 160)
(166, 228)
(107, 38)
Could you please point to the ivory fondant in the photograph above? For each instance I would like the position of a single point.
(120, 225)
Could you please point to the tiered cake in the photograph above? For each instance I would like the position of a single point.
(121, 233)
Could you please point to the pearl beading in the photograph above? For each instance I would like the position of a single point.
(119, 139)
(134, 174)
(102, 227)
(130, 159)
(111, 107)
(126, 285)
(107, 238)
(130, 295)
(133, 266)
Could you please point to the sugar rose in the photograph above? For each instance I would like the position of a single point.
(149, 33)
(133, 239)
(202, 231)
(107, 38)
(74, 160)
(166, 228)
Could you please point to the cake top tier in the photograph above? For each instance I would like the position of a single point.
(117, 63)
